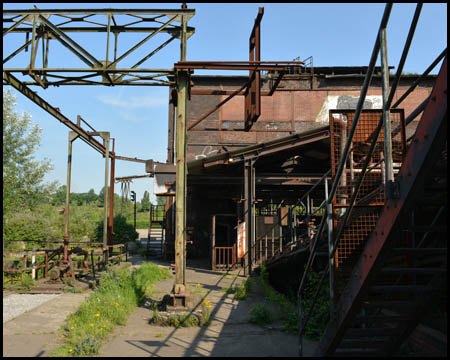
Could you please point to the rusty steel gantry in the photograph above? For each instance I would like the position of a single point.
(41, 26)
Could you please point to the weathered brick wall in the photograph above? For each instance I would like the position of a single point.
(294, 107)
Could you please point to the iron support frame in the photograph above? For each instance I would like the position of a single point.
(329, 212)
(429, 140)
(249, 195)
(97, 70)
(389, 170)
(72, 137)
(111, 197)
(359, 106)
(247, 217)
(180, 192)
(106, 138)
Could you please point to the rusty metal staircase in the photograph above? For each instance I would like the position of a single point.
(401, 271)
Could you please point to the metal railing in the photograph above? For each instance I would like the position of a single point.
(267, 242)
(379, 43)
(52, 257)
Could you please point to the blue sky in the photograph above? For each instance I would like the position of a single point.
(334, 34)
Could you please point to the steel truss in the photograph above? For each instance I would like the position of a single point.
(41, 26)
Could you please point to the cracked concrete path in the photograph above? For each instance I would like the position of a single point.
(34, 333)
(229, 333)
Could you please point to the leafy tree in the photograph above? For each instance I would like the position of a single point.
(91, 196)
(59, 197)
(145, 202)
(23, 176)
(101, 196)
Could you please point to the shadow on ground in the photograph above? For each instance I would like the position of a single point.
(228, 334)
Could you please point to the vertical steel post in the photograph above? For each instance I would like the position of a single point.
(111, 197)
(386, 115)
(253, 206)
(308, 214)
(213, 241)
(180, 182)
(182, 79)
(330, 249)
(108, 32)
(105, 136)
(34, 44)
(248, 214)
(72, 137)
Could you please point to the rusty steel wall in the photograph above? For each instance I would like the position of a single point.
(294, 107)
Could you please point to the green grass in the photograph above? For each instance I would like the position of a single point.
(117, 296)
(240, 292)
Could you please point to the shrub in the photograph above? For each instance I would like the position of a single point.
(260, 315)
(28, 226)
(320, 315)
(123, 232)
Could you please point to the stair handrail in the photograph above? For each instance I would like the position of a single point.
(343, 159)
(338, 175)
(323, 178)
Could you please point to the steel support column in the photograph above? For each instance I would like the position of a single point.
(389, 171)
(329, 212)
(249, 214)
(180, 221)
(105, 136)
(180, 291)
(72, 137)
(111, 197)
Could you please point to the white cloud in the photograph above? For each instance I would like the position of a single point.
(135, 102)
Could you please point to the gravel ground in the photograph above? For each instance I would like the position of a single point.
(16, 304)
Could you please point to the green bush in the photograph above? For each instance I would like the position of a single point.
(123, 232)
(44, 223)
(28, 226)
(320, 315)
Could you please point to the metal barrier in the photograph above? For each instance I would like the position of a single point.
(224, 257)
(52, 257)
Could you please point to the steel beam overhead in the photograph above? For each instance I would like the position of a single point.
(88, 138)
(97, 67)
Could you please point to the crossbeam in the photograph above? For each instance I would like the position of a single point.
(99, 68)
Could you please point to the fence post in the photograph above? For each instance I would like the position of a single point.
(213, 241)
(93, 264)
(33, 264)
(266, 247)
(46, 265)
